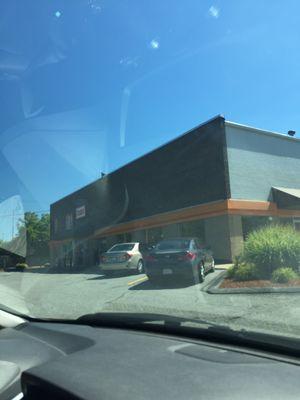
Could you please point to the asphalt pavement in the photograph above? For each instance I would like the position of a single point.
(50, 295)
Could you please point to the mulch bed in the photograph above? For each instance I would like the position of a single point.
(231, 284)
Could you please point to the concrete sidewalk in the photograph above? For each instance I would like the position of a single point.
(223, 266)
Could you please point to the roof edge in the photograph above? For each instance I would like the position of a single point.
(219, 116)
(261, 131)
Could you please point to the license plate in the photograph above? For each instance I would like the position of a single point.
(167, 271)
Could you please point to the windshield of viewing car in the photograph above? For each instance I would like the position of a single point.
(174, 245)
(122, 247)
(151, 122)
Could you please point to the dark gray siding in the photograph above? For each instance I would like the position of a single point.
(188, 171)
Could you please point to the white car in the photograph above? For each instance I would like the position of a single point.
(123, 257)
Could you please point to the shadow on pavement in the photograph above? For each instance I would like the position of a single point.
(164, 284)
(97, 278)
(114, 275)
(59, 271)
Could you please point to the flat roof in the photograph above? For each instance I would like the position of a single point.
(227, 123)
(261, 131)
(219, 116)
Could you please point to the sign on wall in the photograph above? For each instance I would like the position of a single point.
(80, 212)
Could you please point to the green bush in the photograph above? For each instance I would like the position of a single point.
(231, 271)
(284, 275)
(272, 247)
(245, 272)
(21, 266)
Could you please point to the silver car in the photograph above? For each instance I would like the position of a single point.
(123, 257)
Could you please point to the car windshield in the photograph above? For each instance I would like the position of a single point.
(173, 245)
(122, 247)
(151, 122)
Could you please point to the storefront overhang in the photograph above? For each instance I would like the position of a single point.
(286, 198)
(185, 214)
(229, 207)
(5, 252)
(208, 210)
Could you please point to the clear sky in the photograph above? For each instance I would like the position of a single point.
(90, 85)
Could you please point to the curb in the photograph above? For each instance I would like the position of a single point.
(214, 282)
(213, 288)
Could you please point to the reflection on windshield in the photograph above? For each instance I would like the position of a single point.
(116, 135)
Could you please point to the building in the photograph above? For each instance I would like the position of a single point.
(217, 182)
(9, 259)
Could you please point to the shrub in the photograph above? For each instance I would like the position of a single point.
(245, 272)
(237, 260)
(284, 275)
(231, 271)
(21, 266)
(272, 247)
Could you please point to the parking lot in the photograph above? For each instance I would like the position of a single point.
(49, 295)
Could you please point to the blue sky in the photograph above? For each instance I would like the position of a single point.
(104, 82)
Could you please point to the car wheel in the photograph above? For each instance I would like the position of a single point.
(201, 273)
(140, 267)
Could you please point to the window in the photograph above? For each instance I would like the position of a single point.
(297, 224)
(193, 245)
(193, 228)
(69, 221)
(122, 247)
(253, 223)
(154, 235)
(198, 244)
(55, 225)
(175, 244)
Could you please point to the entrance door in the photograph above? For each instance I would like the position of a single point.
(297, 224)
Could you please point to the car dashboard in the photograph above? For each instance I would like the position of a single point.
(65, 361)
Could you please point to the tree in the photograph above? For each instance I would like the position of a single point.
(37, 232)
(32, 237)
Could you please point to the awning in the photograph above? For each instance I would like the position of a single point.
(286, 198)
(5, 252)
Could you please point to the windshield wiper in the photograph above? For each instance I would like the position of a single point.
(16, 313)
(195, 328)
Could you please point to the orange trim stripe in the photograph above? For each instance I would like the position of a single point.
(257, 208)
(223, 207)
(186, 214)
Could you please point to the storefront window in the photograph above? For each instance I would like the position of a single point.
(297, 224)
(121, 238)
(155, 235)
(251, 224)
(193, 229)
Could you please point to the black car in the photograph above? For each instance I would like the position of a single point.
(184, 257)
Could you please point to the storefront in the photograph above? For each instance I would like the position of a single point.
(217, 182)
